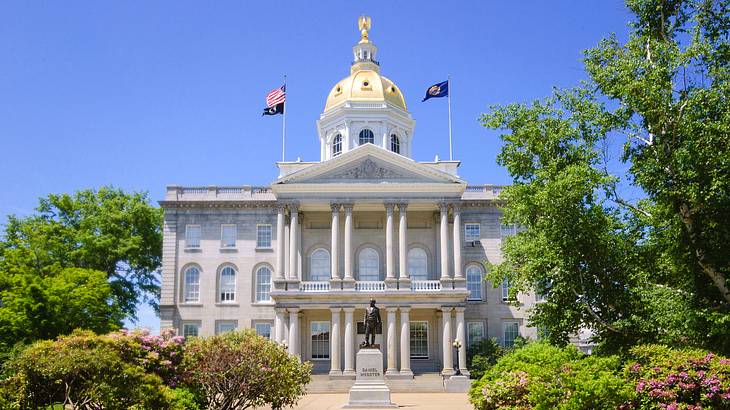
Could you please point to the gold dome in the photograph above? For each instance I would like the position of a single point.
(365, 86)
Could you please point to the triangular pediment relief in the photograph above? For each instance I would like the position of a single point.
(369, 164)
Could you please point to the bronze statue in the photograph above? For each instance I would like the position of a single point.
(372, 321)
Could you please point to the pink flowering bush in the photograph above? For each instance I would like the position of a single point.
(240, 369)
(161, 355)
(666, 378)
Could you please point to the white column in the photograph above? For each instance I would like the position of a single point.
(389, 256)
(348, 242)
(405, 341)
(446, 342)
(293, 241)
(335, 368)
(280, 241)
(349, 342)
(392, 349)
(461, 337)
(458, 272)
(279, 325)
(294, 343)
(403, 241)
(444, 241)
(335, 246)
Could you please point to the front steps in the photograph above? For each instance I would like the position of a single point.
(421, 383)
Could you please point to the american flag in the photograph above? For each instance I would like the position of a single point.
(276, 96)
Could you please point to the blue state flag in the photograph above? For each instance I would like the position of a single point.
(437, 90)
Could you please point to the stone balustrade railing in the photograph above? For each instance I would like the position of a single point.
(370, 286)
(425, 285)
(224, 193)
(314, 286)
(482, 192)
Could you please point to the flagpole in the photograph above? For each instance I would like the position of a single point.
(451, 149)
(283, 129)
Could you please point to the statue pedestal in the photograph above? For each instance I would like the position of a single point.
(369, 389)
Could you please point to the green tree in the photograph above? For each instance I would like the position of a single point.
(652, 269)
(35, 307)
(106, 230)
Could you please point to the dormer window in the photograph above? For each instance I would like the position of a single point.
(337, 145)
(366, 136)
(395, 144)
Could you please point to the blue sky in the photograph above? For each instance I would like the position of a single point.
(142, 94)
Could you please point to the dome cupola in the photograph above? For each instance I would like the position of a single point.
(365, 107)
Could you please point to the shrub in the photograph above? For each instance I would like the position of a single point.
(161, 355)
(241, 369)
(82, 371)
(543, 376)
(677, 378)
(482, 356)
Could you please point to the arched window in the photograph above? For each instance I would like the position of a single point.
(368, 263)
(227, 284)
(263, 284)
(418, 264)
(319, 265)
(474, 282)
(191, 286)
(395, 144)
(366, 136)
(337, 145)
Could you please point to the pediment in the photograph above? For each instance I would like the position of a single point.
(369, 165)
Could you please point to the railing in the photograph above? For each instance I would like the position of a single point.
(425, 285)
(317, 286)
(482, 191)
(370, 286)
(226, 193)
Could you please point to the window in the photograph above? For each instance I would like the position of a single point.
(192, 236)
(395, 144)
(227, 284)
(505, 289)
(418, 264)
(472, 232)
(263, 236)
(263, 284)
(474, 282)
(228, 236)
(320, 340)
(263, 329)
(419, 340)
(191, 330)
(511, 331)
(366, 136)
(337, 145)
(191, 286)
(475, 333)
(368, 264)
(510, 229)
(223, 326)
(319, 265)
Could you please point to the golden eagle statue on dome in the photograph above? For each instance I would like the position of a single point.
(364, 23)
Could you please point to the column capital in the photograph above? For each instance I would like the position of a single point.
(402, 206)
(335, 207)
(293, 310)
(348, 309)
(459, 309)
(280, 207)
(444, 207)
(405, 309)
(348, 208)
(389, 206)
(391, 309)
(293, 207)
(335, 309)
(456, 207)
(446, 309)
(280, 310)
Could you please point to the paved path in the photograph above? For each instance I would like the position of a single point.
(409, 401)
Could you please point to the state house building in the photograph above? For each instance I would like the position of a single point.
(299, 260)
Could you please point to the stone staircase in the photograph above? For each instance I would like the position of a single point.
(421, 383)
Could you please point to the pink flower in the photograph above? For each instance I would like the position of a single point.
(635, 367)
